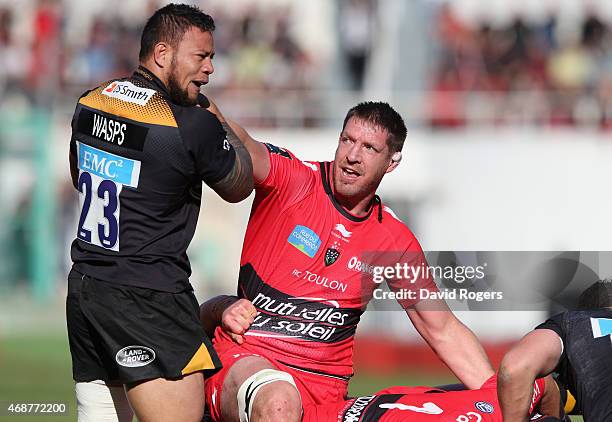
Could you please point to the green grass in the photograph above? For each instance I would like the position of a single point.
(37, 369)
(368, 383)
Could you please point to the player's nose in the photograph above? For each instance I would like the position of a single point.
(353, 155)
(207, 66)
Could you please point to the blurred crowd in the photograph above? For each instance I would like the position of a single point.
(255, 49)
(524, 73)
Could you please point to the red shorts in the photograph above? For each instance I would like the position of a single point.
(315, 389)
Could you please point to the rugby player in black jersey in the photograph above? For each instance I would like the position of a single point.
(575, 344)
(139, 153)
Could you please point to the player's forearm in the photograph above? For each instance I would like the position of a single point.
(514, 391)
(211, 312)
(257, 150)
(238, 184)
(464, 355)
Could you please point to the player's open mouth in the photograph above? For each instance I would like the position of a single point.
(349, 173)
(198, 84)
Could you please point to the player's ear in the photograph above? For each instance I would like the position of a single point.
(396, 157)
(162, 55)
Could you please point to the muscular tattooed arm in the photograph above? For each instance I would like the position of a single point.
(257, 150)
(238, 184)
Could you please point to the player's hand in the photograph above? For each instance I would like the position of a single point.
(237, 318)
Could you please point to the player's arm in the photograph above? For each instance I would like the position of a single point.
(536, 355)
(238, 184)
(257, 150)
(74, 171)
(234, 315)
(552, 402)
(452, 341)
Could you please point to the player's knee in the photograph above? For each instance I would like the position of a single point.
(278, 401)
(269, 395)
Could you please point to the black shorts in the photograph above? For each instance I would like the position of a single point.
(124, 334)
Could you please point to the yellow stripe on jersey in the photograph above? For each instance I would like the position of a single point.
(156, 111)
(200, 360)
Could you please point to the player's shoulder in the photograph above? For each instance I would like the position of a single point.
(131, 98)
(283, 154)
(397, 229)
(195, 117)
(393, 222)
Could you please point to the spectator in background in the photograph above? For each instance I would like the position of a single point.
(538, 73)
(43, 75)
(13, 59)
(357, 29)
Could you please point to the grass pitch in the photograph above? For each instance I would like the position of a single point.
(37, 369)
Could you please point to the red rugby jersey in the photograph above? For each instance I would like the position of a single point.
(420, 404)
(307, 265)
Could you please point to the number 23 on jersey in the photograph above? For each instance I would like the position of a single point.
(102, 176)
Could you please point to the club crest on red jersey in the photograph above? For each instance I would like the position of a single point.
(331, 255)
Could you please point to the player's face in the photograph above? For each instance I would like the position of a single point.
(362, 159)
(191, 66)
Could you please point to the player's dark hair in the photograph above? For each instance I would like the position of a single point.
(597, 296)
(170, 23)
(384, 116)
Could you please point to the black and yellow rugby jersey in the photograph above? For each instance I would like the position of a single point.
(585, 366)
(141, 161)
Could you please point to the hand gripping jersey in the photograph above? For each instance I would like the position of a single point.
(420, 404)
(585, 367)
(141, 160)
(307, 265)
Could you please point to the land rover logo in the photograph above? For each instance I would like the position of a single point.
(134, 356)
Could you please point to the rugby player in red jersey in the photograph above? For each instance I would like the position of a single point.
(316, 233)
(429, 404)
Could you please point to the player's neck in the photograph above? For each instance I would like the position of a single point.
(156, 71)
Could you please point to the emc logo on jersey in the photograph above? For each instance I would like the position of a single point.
(108, 166)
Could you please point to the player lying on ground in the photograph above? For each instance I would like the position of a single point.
(428, 404)
(316, 231)
(575, 344)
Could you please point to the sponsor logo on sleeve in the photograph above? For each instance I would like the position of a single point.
(601, 327)
(135, 356)
(305, 240)
(127, 91)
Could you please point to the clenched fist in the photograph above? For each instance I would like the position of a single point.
(237, 318)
